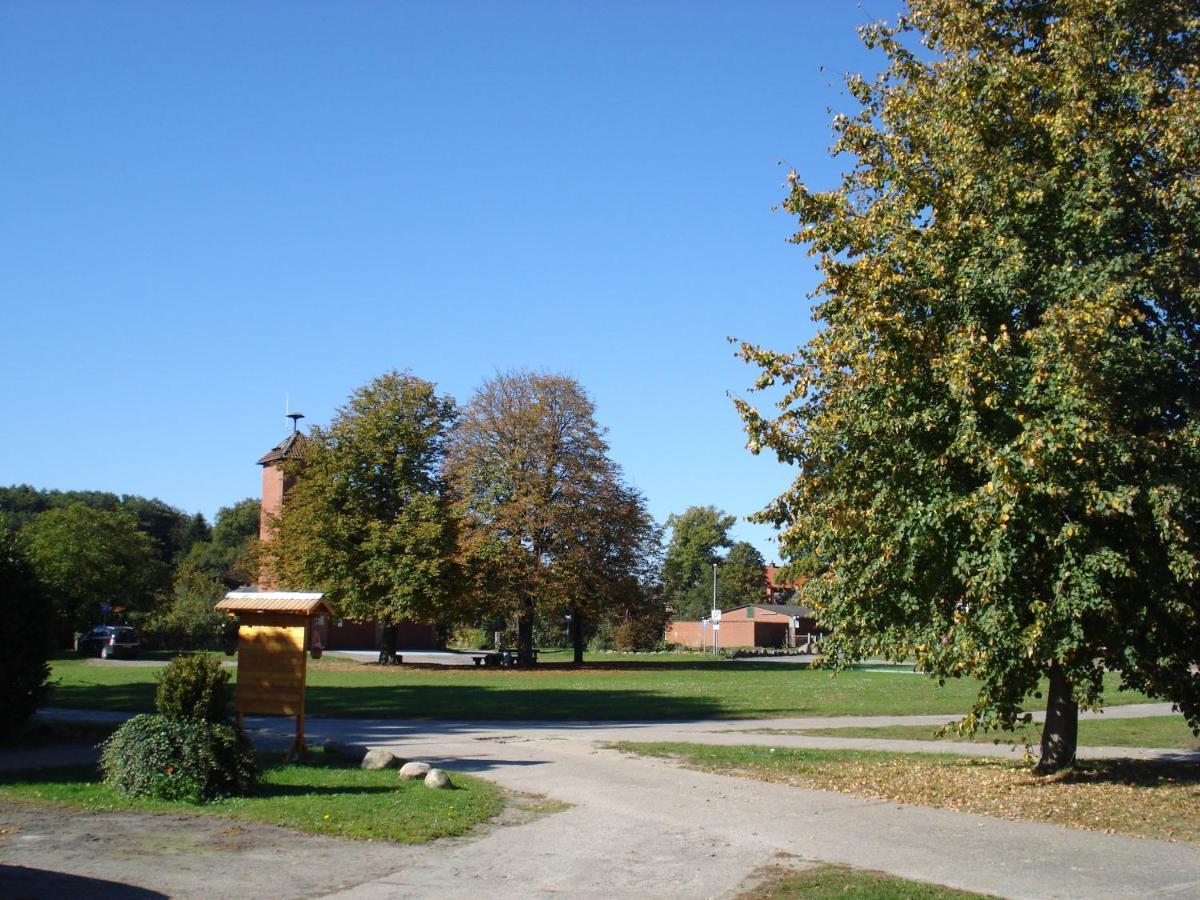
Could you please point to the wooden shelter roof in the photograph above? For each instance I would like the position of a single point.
(304, 603)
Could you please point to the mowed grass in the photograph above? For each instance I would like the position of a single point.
(842, 883)
(322, 796)
(606, 688)
(1167, 732)
(1146, 799)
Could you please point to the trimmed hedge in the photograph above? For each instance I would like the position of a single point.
(194, 687)
(187, 759)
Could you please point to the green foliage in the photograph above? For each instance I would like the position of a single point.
(25, 624)
(697, 536)
(604, 637)
(473, 639)
(84, 557)
(741, 577)
(184, 759)
(171, 531)
(640, 635)
(547, 526)
(194, 686)
(189, 622)
(996, 426)
(365, 521)
(228, 555)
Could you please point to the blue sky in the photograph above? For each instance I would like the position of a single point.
(208, 208)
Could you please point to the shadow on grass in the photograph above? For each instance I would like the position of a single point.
(19, 881)
(504, 701)
(1168, 771)
(131, 697)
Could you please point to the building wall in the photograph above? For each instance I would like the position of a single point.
(693, 634)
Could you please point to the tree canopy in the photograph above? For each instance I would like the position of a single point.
(546, 521)
(996, 424)
(229, 555)
(365, 520)
(741, 577)
(84, 557)
(698, 534)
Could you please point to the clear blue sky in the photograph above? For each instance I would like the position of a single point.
(208, 207)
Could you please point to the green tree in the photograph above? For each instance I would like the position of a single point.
(229, 555)
(996, 425)
(546, 522)
(366, 520)
(25, 627)
(698, 534)
(741, 577)
(84, 557)
(187, 620)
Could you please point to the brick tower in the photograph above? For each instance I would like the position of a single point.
(275, 485)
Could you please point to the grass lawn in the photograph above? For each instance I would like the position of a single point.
(1168, 732)
(607, 687)
(841, 883)
(1145, 799)
(323, 797)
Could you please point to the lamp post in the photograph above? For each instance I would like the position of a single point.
(716, 613)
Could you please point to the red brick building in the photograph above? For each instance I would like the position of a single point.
(756, 625)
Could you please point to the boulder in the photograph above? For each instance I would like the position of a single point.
(436, 778)
(414, 770)
(380, 759)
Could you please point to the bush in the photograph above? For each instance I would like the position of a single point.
(188, 620)
(603, 638)
(641, 634)
(166, 758)
(194, 687)
(25, 630)
(473, 639)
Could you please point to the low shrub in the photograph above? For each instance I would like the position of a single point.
(194, 687)
(166, 758)
(639, 634)
(473, 639)
(602, 638)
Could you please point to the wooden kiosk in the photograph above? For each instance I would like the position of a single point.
(276, 629)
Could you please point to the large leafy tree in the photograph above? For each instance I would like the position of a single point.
(84, 557)
(365, 520)
(229, 556)
(25, 629)
(996, 424)
(546, 521)
(741, 577)
(172, 532)
(698, 534)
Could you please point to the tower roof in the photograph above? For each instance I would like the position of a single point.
(288, 448)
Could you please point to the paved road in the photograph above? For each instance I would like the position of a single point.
(643, 827)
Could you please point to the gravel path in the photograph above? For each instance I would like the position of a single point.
(637, 827)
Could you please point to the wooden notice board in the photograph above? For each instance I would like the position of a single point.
(274, 632)
(272, 664)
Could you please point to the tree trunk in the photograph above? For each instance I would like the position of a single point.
(525, 635)
(577, 638)
(1060, 735)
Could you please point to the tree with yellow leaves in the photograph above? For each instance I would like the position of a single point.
(996, 426)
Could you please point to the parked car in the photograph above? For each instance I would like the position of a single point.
(108, 641)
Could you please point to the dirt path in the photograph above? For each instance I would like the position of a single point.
(637, 827)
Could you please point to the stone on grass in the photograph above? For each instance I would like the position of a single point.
(380, 759)
(414, 770)
(437, 779)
